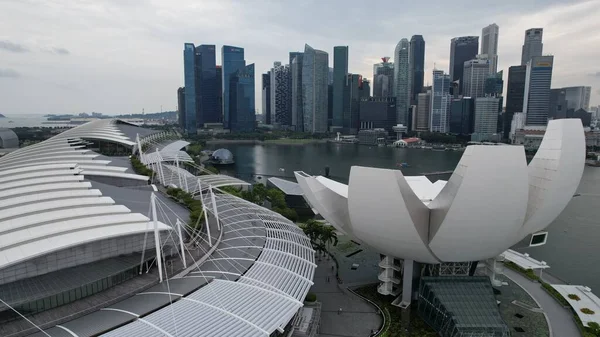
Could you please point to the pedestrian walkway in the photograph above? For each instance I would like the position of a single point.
(357, 317)
(560, 320)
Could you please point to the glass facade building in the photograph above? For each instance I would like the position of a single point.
(475, 73)
(416, 65)
(514, 95)
(266, 97)
(532, 46)
(281, 112)
(462, 49)
(181, 107)
(189, 74)
(241, 104)
(462, 116)
(383, 78)
(440, 102)
(206, 85)
(232, 60)
(402, 83)
(296, 75)
(340, 72)
(536, 99)
(315, 78)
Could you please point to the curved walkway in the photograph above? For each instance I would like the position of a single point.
(357, 319)
(560, 320)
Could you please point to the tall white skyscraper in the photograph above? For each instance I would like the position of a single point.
(536, 100)
(402, 83)
(489, 45)
(532, 46)
(315, 79)
(486, 119)
(440, 102)
(578, 97)
(475, 73)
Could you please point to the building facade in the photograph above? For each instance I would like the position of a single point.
(462, 49)
(578, 97)
(515, 94)
(232, 60)
(532, 46)
(462, 116)
(296, 75)
(315, 78)
(486, 119)
(416, 64)
(383, 78)
(241, 104)
(181, 107)
(423, 111)
(351, 107)
(340, 76)
(536, 100)
(476, 72)
(266, 97)
(206, 86)
(378, 113)
(189, 75)
(281, 112)
(494, 84)
(489, 45)
(558, 104)
(440, 102)
(402, 83)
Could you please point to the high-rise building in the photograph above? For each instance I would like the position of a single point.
(494, 84)
(189, 74)
(462, 49)
(378, 113)
(578, 97)
(462, 115)
(486, 119)
(440, 102)
(241, 104)
(365, 88)
(476, 71)
(207, 110)
(340, 72)
(423, 110)
(266, 97)
(536, 100)
(489, 45)
(416, 64)
(219, 72)
(402, 83)
(296, 70)
(281, 112)
(532, 46)
(514, 96)
(383, 78)
(232, 60)
(351, 101)
(315, 76)
(558, 104)
(181, 107)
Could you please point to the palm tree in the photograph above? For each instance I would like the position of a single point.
(312, 229)
(327, 236)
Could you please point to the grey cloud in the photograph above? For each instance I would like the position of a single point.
(10, 73)
(13, 47)
(596, 74)
(61, 51)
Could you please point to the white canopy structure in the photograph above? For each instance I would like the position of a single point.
(586, 299)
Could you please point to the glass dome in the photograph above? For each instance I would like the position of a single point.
(223, 155)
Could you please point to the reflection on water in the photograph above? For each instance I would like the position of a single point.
(572, 248)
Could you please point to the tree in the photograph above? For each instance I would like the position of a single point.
(277, 198)
(594, 328)
(327, 235)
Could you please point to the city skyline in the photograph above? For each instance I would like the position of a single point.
(141, 71)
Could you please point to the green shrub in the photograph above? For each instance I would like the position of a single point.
(140, 168)
(574, 297)
(587, 311)
(555, 294)
(310, 297)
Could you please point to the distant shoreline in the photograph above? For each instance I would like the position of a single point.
(282, 141)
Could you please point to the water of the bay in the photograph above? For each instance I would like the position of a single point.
(573, 243)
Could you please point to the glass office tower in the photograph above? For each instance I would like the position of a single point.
(232, 60)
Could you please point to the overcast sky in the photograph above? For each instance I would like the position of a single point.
(120, 56)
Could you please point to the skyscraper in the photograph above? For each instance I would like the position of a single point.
(181, 107)
(241, 103)
(232, 60)
(494, 84)
(440, 102)
(558, 104)
(462, 49)
(281, 113)
(423, 110)
(189, 74)
(578, 97)
(383, 78)
(365, 88)
(296, 70)
(462, 115)
(266, 96)
(515, 92)
(351, 100)
(416, 64)
(402, 83)
(489, 45)
(536, 101)
(340, 72)
(315, 76)
(533, 45)
(486, 119)
(476, 71)
(219, 72)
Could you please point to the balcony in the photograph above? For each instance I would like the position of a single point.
(389, 262)
(389, 275)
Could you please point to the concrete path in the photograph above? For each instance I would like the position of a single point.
(357, 318)
(559, 319)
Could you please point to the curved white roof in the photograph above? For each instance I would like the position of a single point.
(45, 204)
(491, 201)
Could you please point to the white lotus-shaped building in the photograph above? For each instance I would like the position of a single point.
(492, 200)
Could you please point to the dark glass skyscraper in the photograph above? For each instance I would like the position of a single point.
(241, 100)
(206, 86)
(462, 49)
(232, 60)
(296, 70)
(219, 72)
(181, 107)
(536, 103)
(462, 116)
(189, 74)
(340, 72)
(416, 65)
(351, 103)
(266, 97)
(514, 95)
